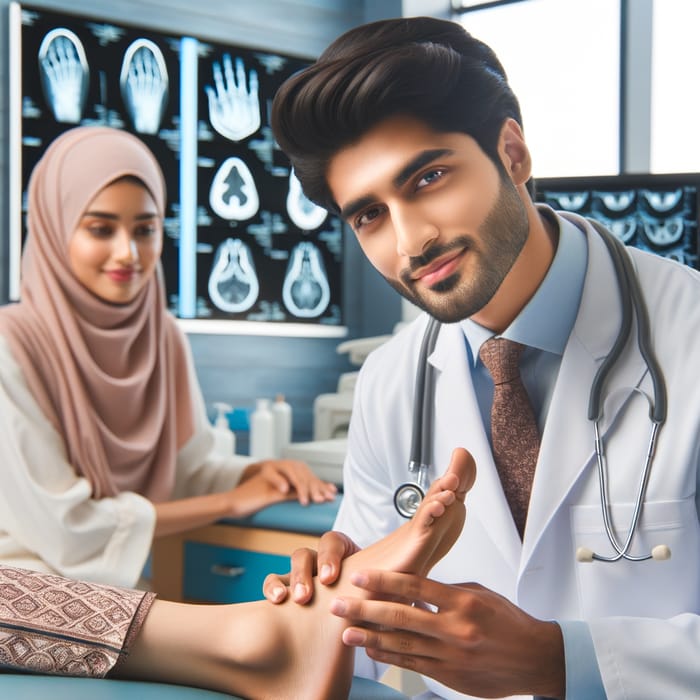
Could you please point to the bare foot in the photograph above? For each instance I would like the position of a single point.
(264, 651)
(305, 658)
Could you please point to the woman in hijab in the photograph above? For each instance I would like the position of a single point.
(104, 439)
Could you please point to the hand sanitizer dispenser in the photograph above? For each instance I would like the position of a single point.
(224, 437)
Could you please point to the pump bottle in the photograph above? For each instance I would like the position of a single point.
(282, 413)
(224, 437)
(262, 431)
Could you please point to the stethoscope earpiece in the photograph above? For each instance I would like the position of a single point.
(584, 555)
(661, 552)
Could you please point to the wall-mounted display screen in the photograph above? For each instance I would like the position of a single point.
(243, 243)
(658, 213)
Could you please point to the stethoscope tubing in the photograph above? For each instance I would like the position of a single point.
(632, 306)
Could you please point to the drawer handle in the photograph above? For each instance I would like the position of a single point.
(228, 571)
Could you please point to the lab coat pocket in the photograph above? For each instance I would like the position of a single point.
(648, 588)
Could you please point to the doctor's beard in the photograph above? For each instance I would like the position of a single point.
(501, 237)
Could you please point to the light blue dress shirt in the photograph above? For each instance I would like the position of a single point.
(543, 327)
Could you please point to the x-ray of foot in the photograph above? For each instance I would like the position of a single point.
(305, 291)
(302, 211)
(144, 85)
(234, 107)
(64, 74)
(233, 284)
(233, 194)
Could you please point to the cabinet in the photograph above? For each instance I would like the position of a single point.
(227, 562)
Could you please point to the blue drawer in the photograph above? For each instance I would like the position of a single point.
(225, 575)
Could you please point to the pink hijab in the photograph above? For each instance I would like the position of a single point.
(112, 379)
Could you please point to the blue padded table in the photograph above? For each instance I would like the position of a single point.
(33, 687)
(291, 516)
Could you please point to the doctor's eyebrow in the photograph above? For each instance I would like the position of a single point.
(416, 163)
(400, 179)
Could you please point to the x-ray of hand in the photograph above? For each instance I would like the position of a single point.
(234, 109)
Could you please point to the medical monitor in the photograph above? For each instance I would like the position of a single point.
(654, 212)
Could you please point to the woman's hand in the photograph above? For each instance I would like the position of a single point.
(291, 478)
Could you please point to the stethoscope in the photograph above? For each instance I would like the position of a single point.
(409, 495)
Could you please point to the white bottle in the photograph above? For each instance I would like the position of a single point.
(224, 437)
(282, 413)
(262, 431)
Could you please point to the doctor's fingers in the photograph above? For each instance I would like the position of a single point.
(480, 644)
(412, 651)
(409, 587)
(333, 547)
(298, 582)
(276, 587)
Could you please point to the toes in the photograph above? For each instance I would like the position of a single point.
(463, 466)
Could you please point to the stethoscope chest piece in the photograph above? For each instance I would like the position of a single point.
(407, 498)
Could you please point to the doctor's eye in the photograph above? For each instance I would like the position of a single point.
(430, 177)
(367, 217)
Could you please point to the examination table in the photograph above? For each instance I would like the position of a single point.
(33, 687)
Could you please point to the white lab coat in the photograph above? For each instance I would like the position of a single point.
(644, 617)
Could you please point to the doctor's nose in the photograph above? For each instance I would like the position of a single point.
(413, 234)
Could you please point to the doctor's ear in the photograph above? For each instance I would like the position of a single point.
(514, 153)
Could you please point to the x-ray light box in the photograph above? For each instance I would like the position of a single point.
(245, 251)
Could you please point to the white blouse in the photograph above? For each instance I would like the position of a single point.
(48, 519)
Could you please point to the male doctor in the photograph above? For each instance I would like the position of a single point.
(409, 129)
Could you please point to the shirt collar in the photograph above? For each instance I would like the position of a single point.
(547, 319)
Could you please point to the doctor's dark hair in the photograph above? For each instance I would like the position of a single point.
(421, 67)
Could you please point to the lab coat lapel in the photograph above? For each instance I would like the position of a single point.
(460, 425)
(567, 446)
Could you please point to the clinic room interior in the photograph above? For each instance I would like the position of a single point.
(278, 305)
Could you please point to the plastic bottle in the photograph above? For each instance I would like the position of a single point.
(224, 437)
(262, 431)
(282, 413)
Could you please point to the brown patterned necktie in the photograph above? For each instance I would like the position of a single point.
(515, 438)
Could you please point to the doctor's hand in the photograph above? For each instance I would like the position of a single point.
(306, 563)
(293, 479)
(476, 642)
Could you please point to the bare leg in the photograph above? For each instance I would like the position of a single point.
(265, 651)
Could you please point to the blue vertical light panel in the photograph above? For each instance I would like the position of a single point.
(187, 266)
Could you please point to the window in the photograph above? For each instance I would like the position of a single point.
(562, 58)
(675, 103)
